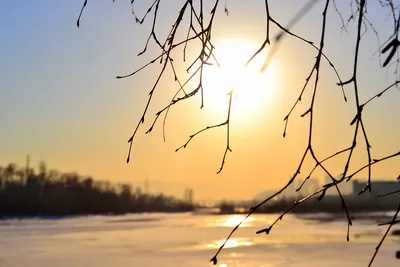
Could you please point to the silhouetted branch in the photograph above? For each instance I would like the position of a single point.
(140, 21)
(295, 204)
(382, 92)
(374, 161)
(80, 13)
(317, 164)
(286, 119)
(384, 236)
(390, 193)
(227, 123)
(227, 132)
(340, 15)
(199, 29)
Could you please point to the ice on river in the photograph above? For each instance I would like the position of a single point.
(187, 239)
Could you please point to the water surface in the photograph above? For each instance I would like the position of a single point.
(187, 239)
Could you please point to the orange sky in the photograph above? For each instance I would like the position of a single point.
(68, 109)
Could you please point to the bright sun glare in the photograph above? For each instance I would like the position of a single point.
(252, 90)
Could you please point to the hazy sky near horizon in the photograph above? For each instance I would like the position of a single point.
(61, 103)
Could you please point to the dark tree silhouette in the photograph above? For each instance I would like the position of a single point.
(196, 20)
(51, 193)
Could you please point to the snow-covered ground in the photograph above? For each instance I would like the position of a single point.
(189, 240)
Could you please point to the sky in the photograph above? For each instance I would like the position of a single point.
(60, 101)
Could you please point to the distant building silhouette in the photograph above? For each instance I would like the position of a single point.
(377, 187)
(188, 196)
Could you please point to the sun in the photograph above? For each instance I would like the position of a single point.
(252, 90)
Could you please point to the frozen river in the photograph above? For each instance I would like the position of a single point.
(189, 240)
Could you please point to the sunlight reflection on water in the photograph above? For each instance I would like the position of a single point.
(234, 220)
(232, 243)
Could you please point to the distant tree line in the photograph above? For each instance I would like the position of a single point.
(24, 192)
(330, 204)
